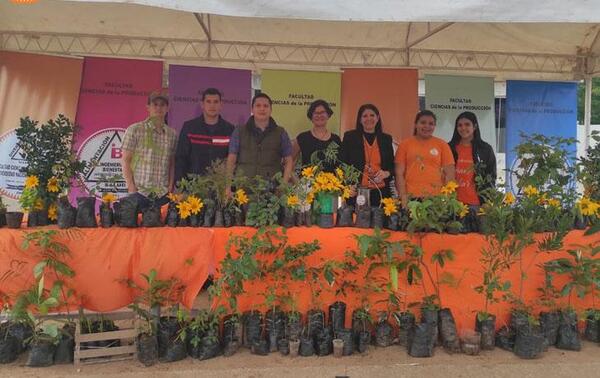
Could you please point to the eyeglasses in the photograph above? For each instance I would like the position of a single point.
(320, 113)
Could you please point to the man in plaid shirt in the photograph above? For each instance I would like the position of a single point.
(149, 153)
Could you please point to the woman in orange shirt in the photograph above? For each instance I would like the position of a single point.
(424, 163)
(473, 158)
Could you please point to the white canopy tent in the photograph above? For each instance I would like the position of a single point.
(526, 39)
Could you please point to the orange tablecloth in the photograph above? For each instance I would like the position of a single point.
(463, 300)
(103, 258)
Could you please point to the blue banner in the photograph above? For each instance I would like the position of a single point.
(538, 107)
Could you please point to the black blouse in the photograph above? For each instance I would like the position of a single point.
(309, 145)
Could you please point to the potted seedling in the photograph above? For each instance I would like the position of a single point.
(497, 257)
(30, 308)
(264, 205)
(581, 269)
(153, 294)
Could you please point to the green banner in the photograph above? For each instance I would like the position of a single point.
(448, 96)
(293, 91)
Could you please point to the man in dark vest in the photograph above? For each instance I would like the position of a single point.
(203, 139)
(260, 147)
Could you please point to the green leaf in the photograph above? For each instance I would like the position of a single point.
(394, 277)
(38, 269)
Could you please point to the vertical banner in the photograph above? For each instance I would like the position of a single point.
(186, 84)
(114, 94)
(393, 91)
(448, 96)
(293, 91)
(38, 86)
(540, 107)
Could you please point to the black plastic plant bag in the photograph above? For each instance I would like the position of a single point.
(65, 213)
(106, 216)
(337, 316)
(487, 329)
(128, 212)
(151, 216)
(345, 216)
(41, 354)
(86, 212)
(420, 340)
(147, 349)
(377, 217)
(568, 335)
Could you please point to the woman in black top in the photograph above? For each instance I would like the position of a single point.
(318, 138)
(370, 150)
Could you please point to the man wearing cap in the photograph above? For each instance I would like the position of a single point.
(203, 139)
(149, 153)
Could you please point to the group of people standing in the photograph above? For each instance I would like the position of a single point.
(155, 159)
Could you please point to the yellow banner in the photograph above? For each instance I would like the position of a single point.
(293, 91)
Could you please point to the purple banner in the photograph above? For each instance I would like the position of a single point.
(186, 84)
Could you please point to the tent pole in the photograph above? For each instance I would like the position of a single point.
(587, 118)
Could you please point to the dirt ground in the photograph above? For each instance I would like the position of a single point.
(377, 362)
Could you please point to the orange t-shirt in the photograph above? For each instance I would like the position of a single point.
(373, 160)
(465, 175)
(423, 161)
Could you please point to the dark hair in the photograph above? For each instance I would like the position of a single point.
(471, 117)
(261, 95)
(361, 110)
(421, 114)
(315, 104)
(211, 91)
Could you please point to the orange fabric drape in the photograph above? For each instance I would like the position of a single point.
(103, 258)
(466, 268)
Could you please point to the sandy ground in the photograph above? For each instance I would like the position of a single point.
(377, 362)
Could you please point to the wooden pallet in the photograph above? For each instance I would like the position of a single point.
(127, 334)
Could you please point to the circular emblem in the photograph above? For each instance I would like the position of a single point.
(102, 152)
(361, 200)
(434, 152)
(12, 160)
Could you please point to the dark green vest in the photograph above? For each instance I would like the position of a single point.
(259, 154)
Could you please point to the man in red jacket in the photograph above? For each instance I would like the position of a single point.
(203, 139)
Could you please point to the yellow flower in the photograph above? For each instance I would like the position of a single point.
(109, 198)
(339, 173)
(509, 199)
(530, 191)
(389, 206)
(31, 182)
(175, 197)
(449, 188)
(309, 172)
(554, 203)
(346, 193)
(241, 197)
(481, 211)
(587, 206)
(195, 204)
(52, 212)
(293, 201)
(310, 197)
(52, 185)
(543, 199)
(39, 204)
(184, 209)
(463, 211)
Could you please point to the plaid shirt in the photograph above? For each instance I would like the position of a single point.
(152, 151)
